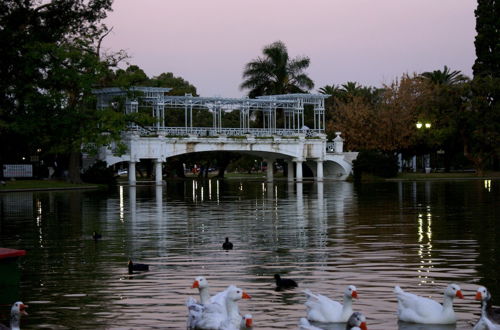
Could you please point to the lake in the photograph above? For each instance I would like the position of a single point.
(419, 235)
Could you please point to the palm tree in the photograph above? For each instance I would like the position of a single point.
(329, 89)
(445, 77)
(276, 73)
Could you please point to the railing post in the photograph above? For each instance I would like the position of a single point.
(338, 143)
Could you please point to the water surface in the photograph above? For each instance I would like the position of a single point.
(419, 235)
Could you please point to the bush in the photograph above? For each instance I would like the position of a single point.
(376, 163)
(99, 173)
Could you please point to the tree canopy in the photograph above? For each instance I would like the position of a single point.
(276, 73)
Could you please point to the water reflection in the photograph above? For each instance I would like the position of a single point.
(487, 185)
(412, 326)
(324, 235)
(425, 246)
(122, 204)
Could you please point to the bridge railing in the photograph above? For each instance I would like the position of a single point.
(213, 132)
(331, 147)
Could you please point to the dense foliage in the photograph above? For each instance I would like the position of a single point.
(51, 60)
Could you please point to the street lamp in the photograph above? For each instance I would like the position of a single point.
(427, 160)
(420, 125)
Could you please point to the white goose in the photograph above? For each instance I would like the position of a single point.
(246, 322)
(416, 309)
(17, 310)
(195, 308)
(490, 317)
(357, 321)
(212, 316)
(305, 325)
(323, 309)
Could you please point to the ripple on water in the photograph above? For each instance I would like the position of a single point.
(325, 240)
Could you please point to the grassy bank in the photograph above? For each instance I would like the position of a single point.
(454, 175)
(43, 184)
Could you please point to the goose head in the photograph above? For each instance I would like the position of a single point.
(200, 282)
(351, 292)
(246, 321)
(234, 293)
(357, 319)
(452, 291)
(18, 308)
(482, 294)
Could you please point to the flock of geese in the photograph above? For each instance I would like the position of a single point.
(221, 312)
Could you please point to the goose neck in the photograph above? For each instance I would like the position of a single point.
(14, 322)
(232, 309)
(447, 303)
(204, 296)
(347, 303)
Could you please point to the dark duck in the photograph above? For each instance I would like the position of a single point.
(284, 283)
(227, 245)
(96, 236)
(137, 267)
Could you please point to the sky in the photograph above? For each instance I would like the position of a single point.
(372, 42)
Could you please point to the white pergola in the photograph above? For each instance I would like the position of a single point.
(156, 98)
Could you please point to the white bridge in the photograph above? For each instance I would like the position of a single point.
(295, 143)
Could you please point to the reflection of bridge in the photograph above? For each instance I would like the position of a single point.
(295, 143)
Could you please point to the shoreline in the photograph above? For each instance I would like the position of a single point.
(57, 185)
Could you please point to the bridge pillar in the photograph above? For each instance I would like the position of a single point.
(131, 173)
(290, 170)
(269, 169)
(319, 170)
(158, 171)
(298, 174)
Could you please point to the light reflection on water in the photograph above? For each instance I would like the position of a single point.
(324, 235)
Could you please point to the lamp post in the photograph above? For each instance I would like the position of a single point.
(427, 157)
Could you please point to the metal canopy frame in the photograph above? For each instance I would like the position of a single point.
(155, 97)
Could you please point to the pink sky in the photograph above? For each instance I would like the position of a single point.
(208, 42)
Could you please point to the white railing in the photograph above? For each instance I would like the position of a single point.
(217, 132)
(210, 131)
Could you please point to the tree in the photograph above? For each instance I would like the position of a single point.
(385, 123)
(445, 77)
(276, 73)
(51, 59)
(487, 43)
(329, 90)
(131, 76)
(445, 108)
(481, 129)
(480, 135)
(179, 86)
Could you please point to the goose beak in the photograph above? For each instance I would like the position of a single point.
(354, 294)
(196, 284)
(22, 308)
(248, 323)
(245, 295)
(479, 296)
(363, 326)
(459, 294)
